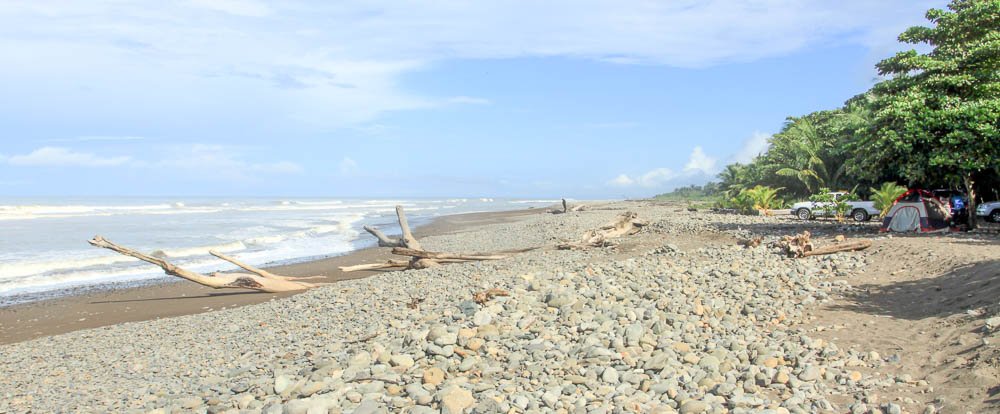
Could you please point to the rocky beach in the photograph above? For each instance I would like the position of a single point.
(678, 318)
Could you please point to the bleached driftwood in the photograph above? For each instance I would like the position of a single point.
(566, 208)
(261, 272)
(840, 247)
(261, 280)
(800, 245)
(408, 245)
(626, 224)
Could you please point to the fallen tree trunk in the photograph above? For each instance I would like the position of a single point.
(840, 247)
(801, 245)
(271, 284)
(626, 224)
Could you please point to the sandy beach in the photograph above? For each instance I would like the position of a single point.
(677, 318)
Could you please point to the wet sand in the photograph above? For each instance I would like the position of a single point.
(110, 307)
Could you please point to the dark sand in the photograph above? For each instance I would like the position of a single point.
(110, 307)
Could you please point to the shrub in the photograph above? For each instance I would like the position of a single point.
(886, 195)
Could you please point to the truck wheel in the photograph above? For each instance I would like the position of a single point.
(803, 214)
(860, 215)
(995, 216)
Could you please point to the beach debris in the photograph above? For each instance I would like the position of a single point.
(415, 302)
(625, 224)
(408, 245)
(800, 245)
(257, 279)
(751, 242)
(487, 295)
(567, 209)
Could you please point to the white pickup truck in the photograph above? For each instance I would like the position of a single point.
(860, 210)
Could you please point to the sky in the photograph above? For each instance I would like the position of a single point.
(581, 99)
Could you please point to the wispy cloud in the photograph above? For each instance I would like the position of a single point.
(63, 157)
(348, 166)
(92, 138)
(341, 63)
(468, 100)
(246, 8)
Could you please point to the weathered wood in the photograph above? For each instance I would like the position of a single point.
(261, 272)
(403, 251)
(839, 247)
(383, 240)
(391, 264)
(216, 280)
(408, 239)
(626, 224)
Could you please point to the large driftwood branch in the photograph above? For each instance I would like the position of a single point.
(391, 264)
(383, 240)
(261, 272)
(407, 245)
(423, 254)
(408, 240)
(626, 224)
(840, 247)
(215, 281)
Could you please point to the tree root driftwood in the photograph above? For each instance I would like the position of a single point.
(800, 245)
(257, 279)
(408, 245)
(625, 224)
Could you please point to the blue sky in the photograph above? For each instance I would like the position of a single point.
(588, 99)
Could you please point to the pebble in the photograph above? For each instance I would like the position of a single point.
(708, 329)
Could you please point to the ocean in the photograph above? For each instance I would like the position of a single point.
(44, 250)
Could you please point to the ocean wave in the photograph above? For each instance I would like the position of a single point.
(49, 281)
(200, 250)
(19, 269)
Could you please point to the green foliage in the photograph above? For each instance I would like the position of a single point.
(935, 118)
(933, 122)
(758, 198)
(832, 205)
(885, 195)
(692, 193)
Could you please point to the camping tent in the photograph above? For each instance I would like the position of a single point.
(917, 211)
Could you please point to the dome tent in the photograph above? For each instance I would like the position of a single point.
(917, 211)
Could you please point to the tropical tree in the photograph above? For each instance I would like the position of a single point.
(936, 116)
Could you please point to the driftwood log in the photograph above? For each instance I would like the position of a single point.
(408, 245)
(800, 245)
(626, 224)
(566, 208)
(258, 279)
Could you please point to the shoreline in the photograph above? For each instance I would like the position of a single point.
(170, 298)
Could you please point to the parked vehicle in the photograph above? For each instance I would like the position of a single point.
(989, 210)
(859, 210)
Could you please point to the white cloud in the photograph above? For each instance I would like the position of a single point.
(699, 166)
(468, 100)
(752, 147)
(348, 166)
(219, 161)
(63, 157)
(235, 7)
(334, 64)
(699, 162)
